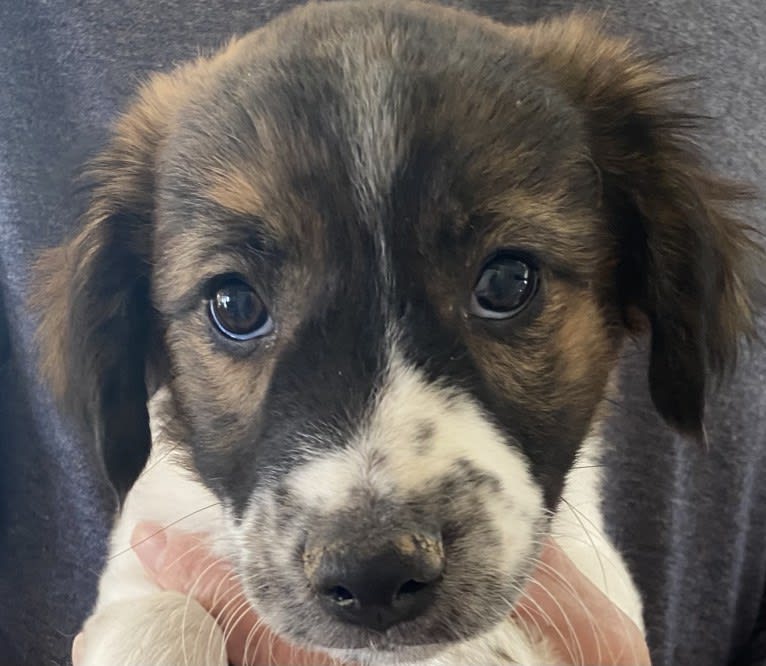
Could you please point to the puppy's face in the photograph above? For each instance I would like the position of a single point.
(384, 254)
(388, 309)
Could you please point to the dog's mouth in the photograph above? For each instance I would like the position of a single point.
(420, 638)
(449, 624)
(407, 595)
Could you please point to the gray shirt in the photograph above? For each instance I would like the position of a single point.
(692, 524)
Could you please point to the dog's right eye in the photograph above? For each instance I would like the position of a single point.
(237, 311)
(506, 284)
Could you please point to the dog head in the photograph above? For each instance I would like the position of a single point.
(384, 256)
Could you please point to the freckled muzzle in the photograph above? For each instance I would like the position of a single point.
(377, 546)
(407, 570)
(378, 580)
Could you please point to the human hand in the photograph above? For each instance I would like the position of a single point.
(577, 620)
(581, 624)
(181, 562)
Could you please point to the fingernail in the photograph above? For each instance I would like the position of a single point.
(149, 541)
(78, 649)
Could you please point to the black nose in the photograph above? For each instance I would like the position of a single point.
(376, 587)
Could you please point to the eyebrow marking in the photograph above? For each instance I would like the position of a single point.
(236, 246)
(233, 190)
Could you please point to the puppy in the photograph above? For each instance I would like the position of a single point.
(381, 258)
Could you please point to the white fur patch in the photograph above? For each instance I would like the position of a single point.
(159, 629)
(387, 460)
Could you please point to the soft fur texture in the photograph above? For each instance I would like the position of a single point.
(357, 164)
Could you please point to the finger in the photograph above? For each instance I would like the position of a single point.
(182, 562)
(78, 649)
(576, 618)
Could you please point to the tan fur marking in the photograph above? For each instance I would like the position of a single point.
(567, 344)
(582, 343)
(237, 387)
(52, 297)
(234, 190)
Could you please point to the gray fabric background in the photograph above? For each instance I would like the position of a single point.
(693, 526)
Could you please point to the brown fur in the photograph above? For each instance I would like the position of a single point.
(705, 266)
(234, 190)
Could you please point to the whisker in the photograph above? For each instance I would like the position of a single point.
(189, 596)
(550, 621)
(577, 514)
(258, 644)
(248, 642)
(165, 527)
(624, 580)
(241, 606)
(165, 455)
(595, 628)
(214, 602)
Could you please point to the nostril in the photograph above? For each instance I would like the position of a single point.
(376, 584)
(409, 589)
(339, 595)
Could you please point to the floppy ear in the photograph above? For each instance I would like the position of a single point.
(93, 293)
(686, 260)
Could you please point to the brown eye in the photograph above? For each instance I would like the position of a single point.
(505, 285)
(237, 311)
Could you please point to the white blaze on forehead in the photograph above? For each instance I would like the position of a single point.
(373, 124)
(388, 459)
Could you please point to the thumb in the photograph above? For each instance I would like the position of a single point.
(182, 562)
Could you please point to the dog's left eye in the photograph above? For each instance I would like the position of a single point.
(238, 312)
(506, 284)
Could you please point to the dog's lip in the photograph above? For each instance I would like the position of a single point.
(391, 646)
(407, 637)
(402, 638)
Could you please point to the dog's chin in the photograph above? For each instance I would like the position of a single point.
(389, 656)
(400, 647)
